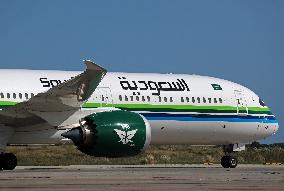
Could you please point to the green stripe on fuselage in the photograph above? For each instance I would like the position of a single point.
(168, 108)
(4, 104)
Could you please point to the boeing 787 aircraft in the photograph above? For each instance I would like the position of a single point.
(121, 114)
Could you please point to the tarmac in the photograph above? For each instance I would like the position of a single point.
(138, 178)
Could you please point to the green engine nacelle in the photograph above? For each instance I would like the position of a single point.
(111, 134)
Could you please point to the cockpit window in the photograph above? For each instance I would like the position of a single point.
(261, 103)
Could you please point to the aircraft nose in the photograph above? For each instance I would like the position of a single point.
(270, 125)
(274, 126)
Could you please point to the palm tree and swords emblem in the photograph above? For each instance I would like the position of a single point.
(125, 134)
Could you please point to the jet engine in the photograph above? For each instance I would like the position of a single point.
(111, 134)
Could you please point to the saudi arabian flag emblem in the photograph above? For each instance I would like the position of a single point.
(216, 87)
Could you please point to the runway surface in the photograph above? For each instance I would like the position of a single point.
(136, 178)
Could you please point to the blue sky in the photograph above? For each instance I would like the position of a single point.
(242, 41)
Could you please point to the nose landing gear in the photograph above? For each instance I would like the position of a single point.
(229, 161)
(8, 161)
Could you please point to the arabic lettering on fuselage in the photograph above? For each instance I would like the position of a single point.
(178, 85)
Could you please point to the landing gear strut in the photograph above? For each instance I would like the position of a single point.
(8, 161)
(229, 161)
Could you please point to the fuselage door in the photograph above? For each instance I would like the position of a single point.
(242, 107)
(106, 98)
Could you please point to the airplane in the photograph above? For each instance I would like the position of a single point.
(111, 114)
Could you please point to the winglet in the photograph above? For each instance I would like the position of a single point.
(95, 74)
(93, 66)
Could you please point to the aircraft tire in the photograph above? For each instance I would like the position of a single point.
(9, 161)
(233, 162)
(225, 162)
(229, 162)
(1, 161)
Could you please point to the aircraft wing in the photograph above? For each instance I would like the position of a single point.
(62, 100)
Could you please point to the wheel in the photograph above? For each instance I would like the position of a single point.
(225, 162)
(9, 161)
(1, 161)
(233, 161)
(229, 162)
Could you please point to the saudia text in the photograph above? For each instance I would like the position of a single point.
(178, 85)
(47, 83)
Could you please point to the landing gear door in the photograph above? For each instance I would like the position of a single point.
(242, 107)
(106, 98)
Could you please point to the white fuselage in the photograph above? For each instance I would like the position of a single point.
(181, 109)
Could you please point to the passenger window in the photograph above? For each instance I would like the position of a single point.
(187, 99)
(2, 95)
(20, 95)
(137, 98)
(204, 100)
(120, 98)
(8, 95)
(131, 98)
(148, 98)
(160, 99)
(32, 95)
(181, 99)
(171, 99)
(220, 100)
(143, 98)
(165, 99)
(193, 100)
(103, 98)
(198, 99)
(215, 100)
(126, 98)
(14, 96)
(26, 96)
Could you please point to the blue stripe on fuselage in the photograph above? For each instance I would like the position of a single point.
(209, 117)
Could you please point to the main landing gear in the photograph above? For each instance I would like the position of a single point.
(8, 161)
(229, 161)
